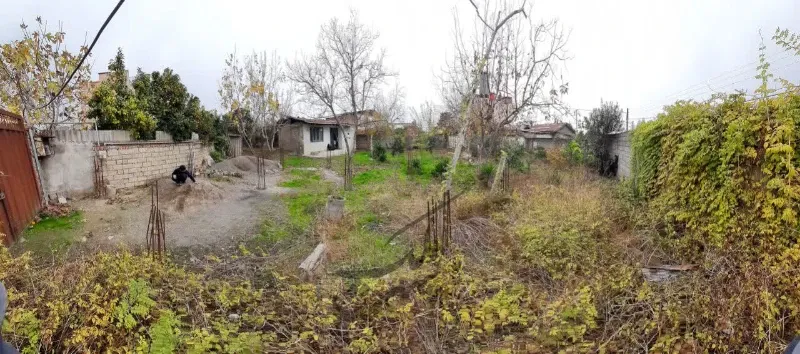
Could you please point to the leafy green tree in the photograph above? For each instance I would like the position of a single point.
(33, 68)
(599, 125)
(118, 74)
(113, 111)
(115, 106)
(166, 98)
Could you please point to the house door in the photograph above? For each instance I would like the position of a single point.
(335, 138)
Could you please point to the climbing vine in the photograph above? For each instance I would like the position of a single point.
(723, 172)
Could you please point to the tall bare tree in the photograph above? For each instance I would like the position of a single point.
(346, 71)
(425, 115)
(268, 97)
(505, 71)
(353, 46)
(390, 104)
(462, 78)
(256, 85)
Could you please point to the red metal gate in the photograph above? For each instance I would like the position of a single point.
(19, 189)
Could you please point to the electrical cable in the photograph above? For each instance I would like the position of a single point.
(85, 55)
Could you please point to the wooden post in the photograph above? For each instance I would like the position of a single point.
(626, 119)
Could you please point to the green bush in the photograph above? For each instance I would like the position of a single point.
(440, 168)
(464, 176)
(398, 146)
(573, 153)
(517, 157)
(416, 166)
(485, 173)
(539, 153)
(379, 152)
(216, 155)
(430, 143)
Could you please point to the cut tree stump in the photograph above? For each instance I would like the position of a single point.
(314, 260)
(334, 210)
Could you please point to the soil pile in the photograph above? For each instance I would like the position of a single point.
(174, 197)
(330, 175)
(245, 164)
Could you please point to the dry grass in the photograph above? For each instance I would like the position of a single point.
(480, 239)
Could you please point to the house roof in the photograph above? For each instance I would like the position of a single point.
(404, 124)
(362, 112)
(548, 128)
(321, 121)
(347, 118)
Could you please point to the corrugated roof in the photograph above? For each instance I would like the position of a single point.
(325, 121)
(547, 128)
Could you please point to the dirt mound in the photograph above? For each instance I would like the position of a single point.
(245, 164)
(330, 175)
(178, 198)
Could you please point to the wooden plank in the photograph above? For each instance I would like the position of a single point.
(314, 259)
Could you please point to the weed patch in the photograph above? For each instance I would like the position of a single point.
(301, 178)
(52, 235)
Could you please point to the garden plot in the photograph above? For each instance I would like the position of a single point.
(222, 208)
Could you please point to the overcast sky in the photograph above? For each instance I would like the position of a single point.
(642, 54)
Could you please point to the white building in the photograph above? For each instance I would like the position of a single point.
(315, 137)
(548, 136)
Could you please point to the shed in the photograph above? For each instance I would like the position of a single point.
(234, 145)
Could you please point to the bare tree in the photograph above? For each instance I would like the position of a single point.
(233, 93)
(461, 80)
(425, 116)
(390, 104)
(256, 85)
(346, 71)
(352, 46)
(267, 97)
(390, 107)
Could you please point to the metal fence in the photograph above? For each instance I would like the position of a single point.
(20, 197)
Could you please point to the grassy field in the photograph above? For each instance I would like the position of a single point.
(385, 196)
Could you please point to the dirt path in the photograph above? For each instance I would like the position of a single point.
(208, 212)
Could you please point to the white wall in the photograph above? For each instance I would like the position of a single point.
(621, 146)
(69, 171)
(320, 148)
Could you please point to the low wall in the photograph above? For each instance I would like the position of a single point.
(105, 136)
(69, 171)
(135, 164)
(91, 136)
(621, 146)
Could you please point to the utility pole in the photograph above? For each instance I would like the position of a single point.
(576, 119)
(626, 118)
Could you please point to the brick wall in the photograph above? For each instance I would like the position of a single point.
(128, 165)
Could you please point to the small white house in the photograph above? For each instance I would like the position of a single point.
(315, 137)
(548, 136)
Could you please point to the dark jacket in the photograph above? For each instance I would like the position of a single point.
(180, 175)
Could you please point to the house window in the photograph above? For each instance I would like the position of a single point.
(316, 134)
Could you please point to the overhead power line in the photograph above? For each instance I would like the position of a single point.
(85, 55)
(703, 87)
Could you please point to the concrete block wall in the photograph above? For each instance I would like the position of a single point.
(621, 146)
(136, 164)
(69, 171)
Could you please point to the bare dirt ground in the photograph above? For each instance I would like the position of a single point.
(214, 210)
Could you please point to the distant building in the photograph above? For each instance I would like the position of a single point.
(314, 137)
(549, 135)
(87, 90)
